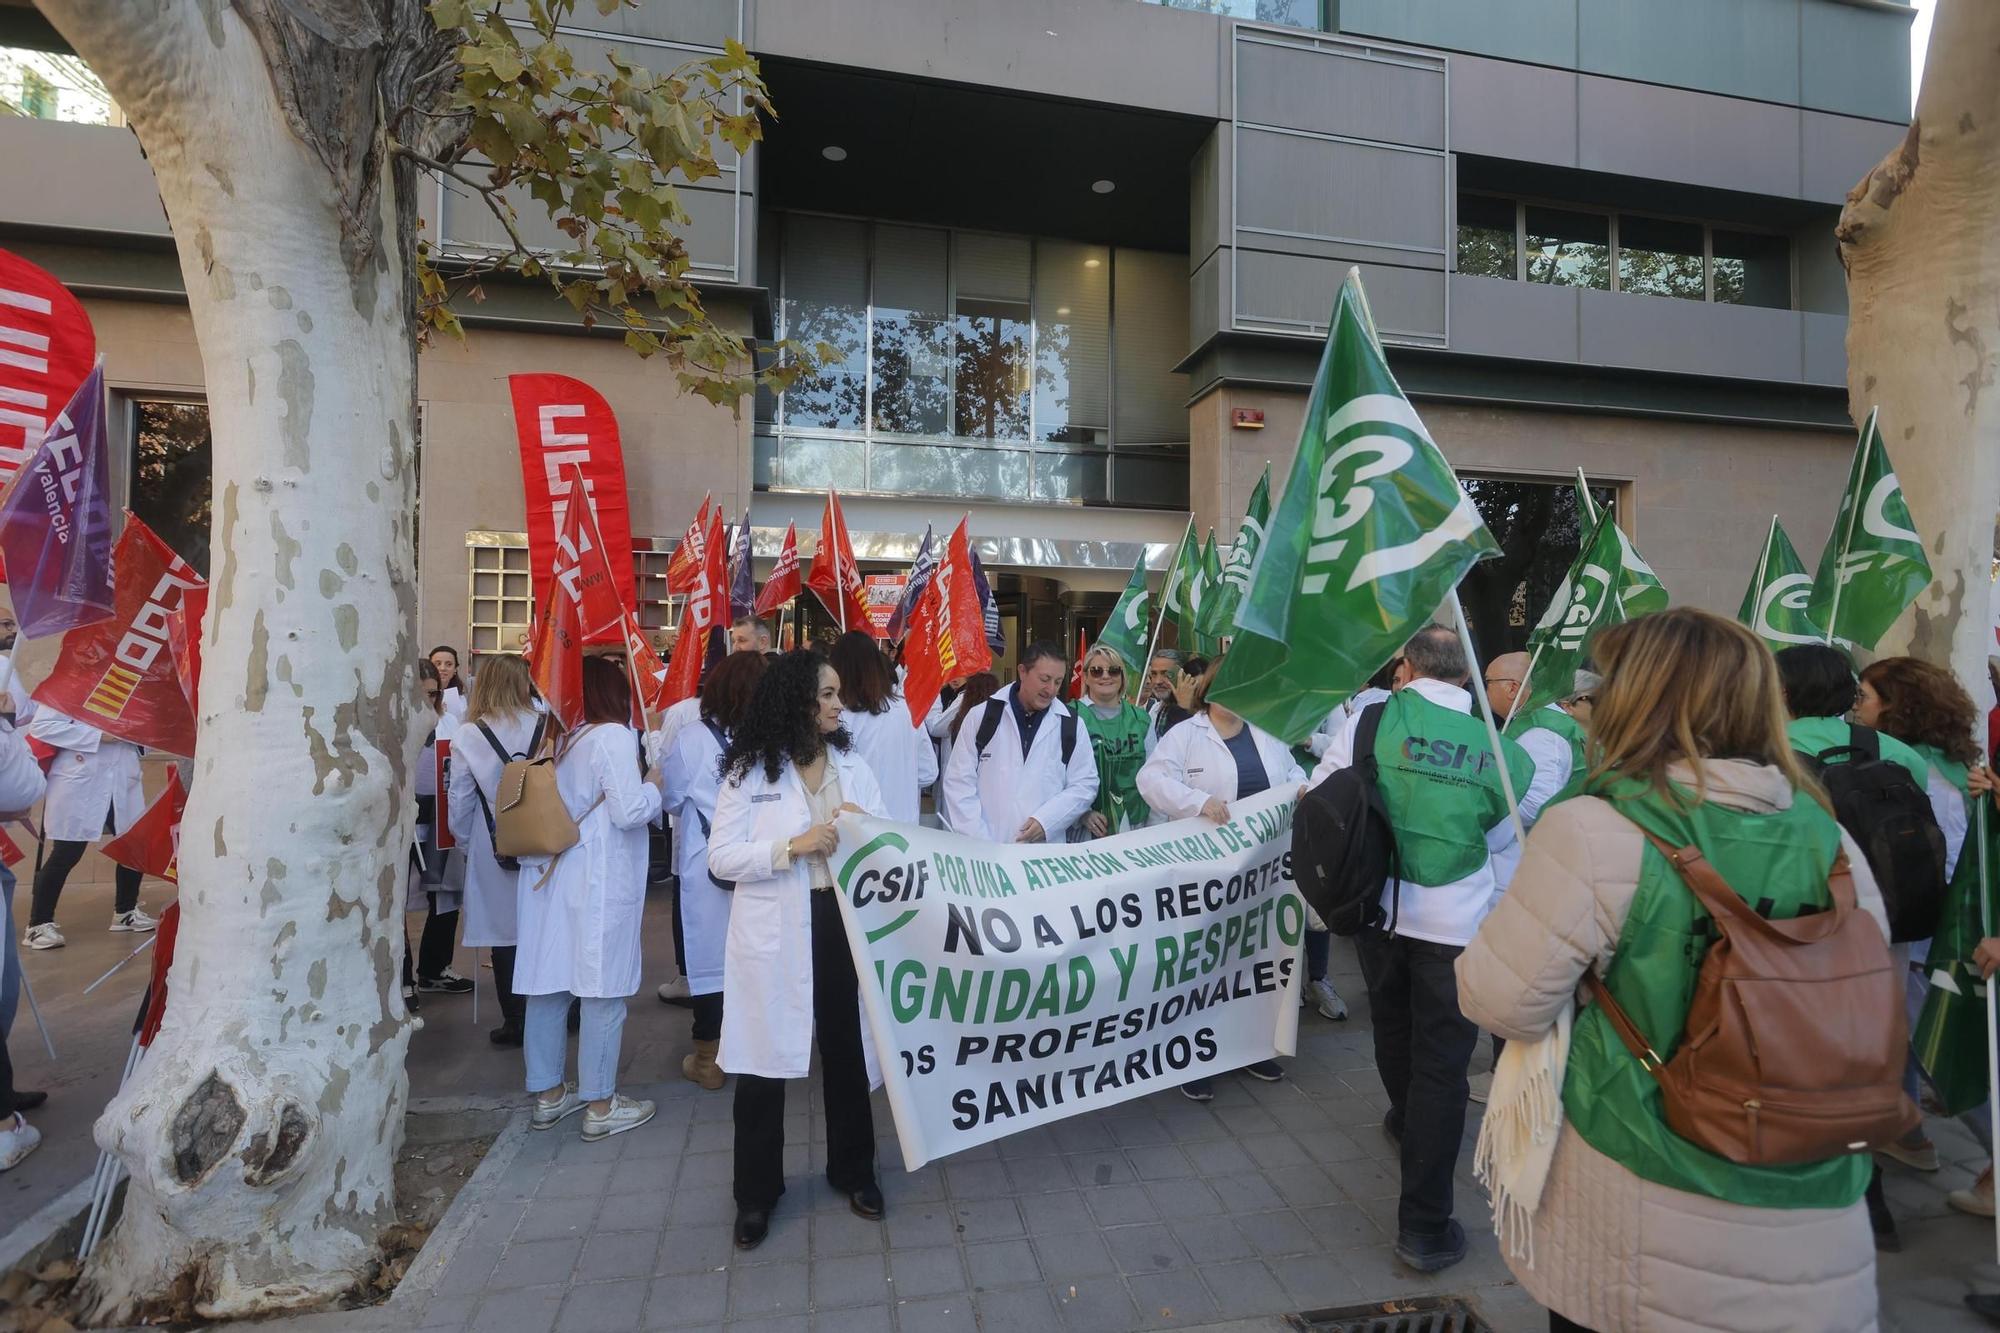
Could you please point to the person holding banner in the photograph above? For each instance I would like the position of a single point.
(93, 785)
(1198, 768)
(501, 724)
(873, 713)
(1630, 1225)
(579, 916)
(1015, 779)
(691, 780)
(1118, 741)
(788, 974)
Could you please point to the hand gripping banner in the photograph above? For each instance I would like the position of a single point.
(1010, 985)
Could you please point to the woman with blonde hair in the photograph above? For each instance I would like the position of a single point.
(500, 724)
(1118, 739)
(1627, 1225)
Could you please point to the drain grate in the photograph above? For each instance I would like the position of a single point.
(1418, 1314)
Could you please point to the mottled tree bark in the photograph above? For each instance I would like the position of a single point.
(1920, 238)
(261, 1130)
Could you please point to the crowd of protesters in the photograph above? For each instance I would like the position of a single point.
(1687, 742)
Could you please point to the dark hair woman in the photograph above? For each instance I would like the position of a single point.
(884, 734)
(579, 916)
(787, 776)
(454, 688)
(1819, 689)
(979, 687)
(691, 777)
(1687, 744)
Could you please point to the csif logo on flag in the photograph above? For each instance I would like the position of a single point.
(1791, 592)
(1574, 608)
(142, 642)
(1876, 522)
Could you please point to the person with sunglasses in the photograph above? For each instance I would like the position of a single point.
(1117, 730)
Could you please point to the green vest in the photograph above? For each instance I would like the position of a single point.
(1614, 1103)
(1438, 779)
(1119, 743)
(1565, 726)
(1815, 735)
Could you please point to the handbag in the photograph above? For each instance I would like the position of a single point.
(501, 752)
(530, 819)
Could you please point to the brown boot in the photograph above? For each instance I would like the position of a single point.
(700, 1067)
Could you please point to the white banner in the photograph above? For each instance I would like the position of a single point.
(1011, 985)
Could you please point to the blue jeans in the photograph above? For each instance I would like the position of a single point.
(545, 1044)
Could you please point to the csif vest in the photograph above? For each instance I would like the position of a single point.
(1441, 784)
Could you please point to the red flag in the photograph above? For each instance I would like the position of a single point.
(46, 348)
(10, 851)
(558, 661)
(163, 961)
(564, 424)
(600, 611)
(783, 585)
(833, 575)
(649, 673)
(152, 846)
(184, 639)
(702, 615)
(686, 561)
(119, 674)
(947, 636)
(1076, 673)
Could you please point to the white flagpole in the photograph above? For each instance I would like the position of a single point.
(1166, 592)
(1486, 711)
(1847, 538)
(1583, 489)
(36, 1010)
(1526, 676)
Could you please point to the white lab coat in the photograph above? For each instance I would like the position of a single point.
(491, 912)
(94, 775)
(1192, 763)
(991, 794)
(1553, 759)
(456, 696)
(580, 931)
(660, 740)
(900, 756)
(767, 1018)
(692, 784)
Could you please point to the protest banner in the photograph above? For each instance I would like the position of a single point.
(883, 593)
(565, 427)
(49, 349)
(1012, 985)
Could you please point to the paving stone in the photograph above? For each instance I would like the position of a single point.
(1242, 1290)
(1061, 1210)
(584, 1179)
(977, 1180)
(447, 1314)
(944, 1314)
(845, 1233)
(1075, 1254)
(1096, 1305)
(1093, 1170)
(527, 1310)
(606, 1306)
(1304, 1185)
(1212, 1239)
(1139, 1131)
(853, 1319)
(787, 1242)
(1176, 1297)
(789, 1323)
(1084, 1133)
(1174, 1199)
(1162, 1162)
(1218, 1157)
(706, 1168)
(1037, 1175)
(469, 1272)
(1342, 1224)
(1248, 1193)
(768, 1289)
(1013, 1310)
(987, 1219)
(537, 1261)
(1003, 1263)
(927, 1270)
(1366, 1179)
(852, 1279)
(711, 1205)
(688, 1300)
(1274, 1151)
(618, 1254)
(1277, 1233)
(1143, 1249)
(693, 1249)
(1315, 1282)
(1120, 1204)
(635, 1212)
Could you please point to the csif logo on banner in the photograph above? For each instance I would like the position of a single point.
(142, 643)
(1345, 500)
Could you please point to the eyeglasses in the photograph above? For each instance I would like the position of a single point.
(1491, 681)
(1104, 673)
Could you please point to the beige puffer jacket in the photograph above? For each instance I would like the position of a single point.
(1613, 1252)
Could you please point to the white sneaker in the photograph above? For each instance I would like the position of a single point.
(44, 936)
(1482, 1086)
(550, 1114)
(624, 1113)
(1322, 996)
(135, 920)
(17, 1142)
(672, 992)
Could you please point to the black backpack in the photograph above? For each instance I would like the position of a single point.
(1343, 846)
(1889, 816)
(989, 722)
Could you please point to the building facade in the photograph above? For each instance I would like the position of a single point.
(1075, 258)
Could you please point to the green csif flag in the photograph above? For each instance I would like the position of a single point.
(1874, 563)
(1125, 632)
(1193, 583)
(1950, 1038)
(1774, 605)
(1585, 601)
(1228, 594)
(1373, 532)
(1185, 562)
(1640, 591)
(1209, 629)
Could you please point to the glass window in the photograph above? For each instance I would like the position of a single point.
(1569, 249)
(53, 85)
(1291, 13)
(948, 469)
(1150, 312)
(501, 601)
(913, 331)
(1659, 258)
(826, 301)
(170, 475)
(1539, 531)
(1486, 236)
(1753, 269)
(1072, 343)
(993, 320)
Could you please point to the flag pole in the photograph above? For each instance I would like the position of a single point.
(1979, 812)
(1486, 711)
(1583, 489)
(1166, 587)
(1526, 676)
(1860, 469)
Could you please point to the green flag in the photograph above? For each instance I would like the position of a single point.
(1640, 591)
(1584, 602)
(1125, 632)
(1186, 560)
(1950, 1037)
(1194, 589)
(1874, 563)
(1242, 555)
(1774, 605)
(1209, 626)
(1373, 532)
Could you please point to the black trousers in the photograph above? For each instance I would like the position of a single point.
(61, 858)
(6, 1085)
(843, 1072)
(1422, 1047)
(440, 937)
(513, 1008)
(1558, 1324)
(707, 1016)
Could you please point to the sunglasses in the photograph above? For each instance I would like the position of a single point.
(1103, 673)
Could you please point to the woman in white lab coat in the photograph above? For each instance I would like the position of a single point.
(579, 917)
(93, 785)
(886, 738)
(1200, 767)
(954, 701)
(455, 694)
(691, 776)
(787, 974)
(500, 724)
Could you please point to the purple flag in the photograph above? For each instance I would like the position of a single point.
(55, 525)
(921, 570)
(742, 587)
(989, 607)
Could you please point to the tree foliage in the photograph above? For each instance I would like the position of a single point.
(605, 152)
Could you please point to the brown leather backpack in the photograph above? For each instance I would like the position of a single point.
(1794, 1043)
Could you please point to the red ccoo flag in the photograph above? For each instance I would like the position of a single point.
(783, 585)
(702, 616)
(152, 846)
(569, 436)
(558, 653)
(49, 346)
(833, 576)
(947, 636)
(1076, 672)
(686, 562)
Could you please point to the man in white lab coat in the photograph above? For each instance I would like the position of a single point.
(1019, 772)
